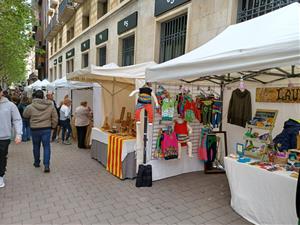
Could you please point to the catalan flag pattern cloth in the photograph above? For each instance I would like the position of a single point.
(114, 155)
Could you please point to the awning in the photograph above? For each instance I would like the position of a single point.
(268, 41)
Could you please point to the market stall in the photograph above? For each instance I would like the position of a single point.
(257, 54)
(78, 91)
(114, 143)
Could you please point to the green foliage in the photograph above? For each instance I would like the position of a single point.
(16, 19)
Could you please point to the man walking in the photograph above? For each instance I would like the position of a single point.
(49, 96)
(43, 116)
(9, 117)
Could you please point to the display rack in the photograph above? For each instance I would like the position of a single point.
(269, 116)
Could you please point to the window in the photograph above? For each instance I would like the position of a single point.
(55, 47)
(51, 75)
(101, 8)
(55, 72)
(85, 21)
(70, 34)
(249, 9)
(128, 51)
(70, 65)
(60, 71)
(101, 56)
(60, 42)
(172, 39)
(51, 50)
(85, 60)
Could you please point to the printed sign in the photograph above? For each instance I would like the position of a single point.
(85, 45)
(162, 6)
(128, 23)
(279, 94)
(101, 37)
(55, 61)
(60, 59)
(70, 53)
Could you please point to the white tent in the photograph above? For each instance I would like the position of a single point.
(255, 46)
(271, 40)
(44, 83)
(64, 83)
(111, 72)
(35, 84)
(117, 81)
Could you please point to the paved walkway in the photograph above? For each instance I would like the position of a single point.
(79, 191)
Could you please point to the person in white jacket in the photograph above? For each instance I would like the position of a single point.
(9, 117)
(65, 120)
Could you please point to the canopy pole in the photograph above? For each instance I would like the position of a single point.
(222, 86)
(113, 102)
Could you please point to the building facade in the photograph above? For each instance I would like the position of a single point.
(126, 32)
(40, 9)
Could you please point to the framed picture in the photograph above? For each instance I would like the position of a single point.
(240, 149)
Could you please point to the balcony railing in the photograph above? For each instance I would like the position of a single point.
(66, 10)
(53, 27)
(249, 9)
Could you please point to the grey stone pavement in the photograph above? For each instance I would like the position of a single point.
(80, 191)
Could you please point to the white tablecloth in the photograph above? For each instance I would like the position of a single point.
(101, 136)
(260, 196)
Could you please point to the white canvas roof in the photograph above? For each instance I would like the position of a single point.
(271, 40)
(64, 83)
(111, 72)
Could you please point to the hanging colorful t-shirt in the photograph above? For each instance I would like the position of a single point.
(168, 109)
(169, 146)
(216, 113)
(189, 108)
(206, 112)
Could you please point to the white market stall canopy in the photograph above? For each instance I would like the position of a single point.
(111, 72)
(64, 83)
(260, 45)
(35, 84)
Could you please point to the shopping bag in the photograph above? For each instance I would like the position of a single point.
(144, 176)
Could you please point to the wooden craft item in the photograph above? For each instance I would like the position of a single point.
(121, 115)
(106, 125)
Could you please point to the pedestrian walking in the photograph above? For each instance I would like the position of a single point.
(65, 121)
(42, 116)
(9, 117)
(49, 96)
(26, 127)
(82, 120)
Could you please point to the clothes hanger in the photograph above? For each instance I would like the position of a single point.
(242, 84)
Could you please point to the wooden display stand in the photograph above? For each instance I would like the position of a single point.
(269, 117)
